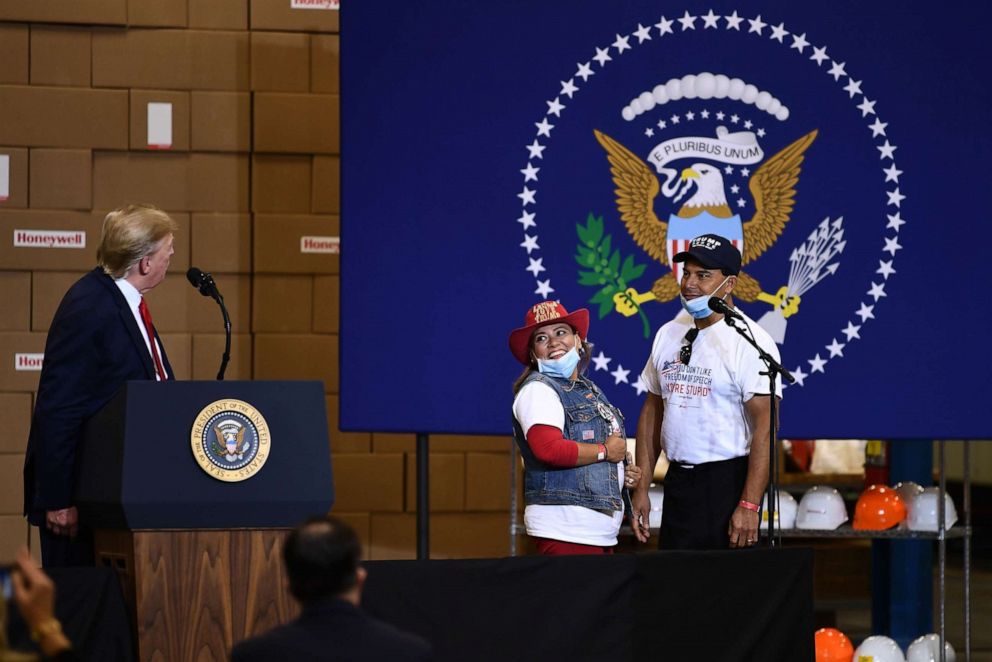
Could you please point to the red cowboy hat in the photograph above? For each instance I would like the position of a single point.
(542, 314)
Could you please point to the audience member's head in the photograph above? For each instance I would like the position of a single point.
(322, 556)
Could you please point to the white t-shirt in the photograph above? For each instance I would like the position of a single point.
(705, 418)
(538, 404)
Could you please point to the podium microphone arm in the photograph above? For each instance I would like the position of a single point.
(204, 282)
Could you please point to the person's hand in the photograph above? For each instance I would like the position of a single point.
(34, 594)
(743, 529)
(616, 448)
(640, 518)
(64, 522)
(632, 475)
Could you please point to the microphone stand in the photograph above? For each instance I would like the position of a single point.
(774, 370)
(216, 295)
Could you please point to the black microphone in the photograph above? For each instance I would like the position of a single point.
(201, 281)
(719, 305)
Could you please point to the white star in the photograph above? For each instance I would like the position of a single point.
(710, 19)
(568, 87)
(816, 364)
(622, 44)
(837, 70)
(602, 56)
(729, 169)
(535, 149)
(745, 172)
(601, 361)
(877, 290)
(836, 348)
(642, 33)
(852, 331)
(757, 25)
(735, 189)
(748, 124)
(527, 196)
(639, 385)
(761, 133)
(527, 220)
(734, 119)
(530, 173)
(892, 245)
(720, 115)
(584, 71)
(530, 243)
(734, 21)
(544, 127)
(799, 375)
(853, 87)
(865, 312)
(704, 114)
(544, 288)
(895, 221)
(886, 150)
(690, 115)
(555, 107)
(741, 202)
(819, 54)
(620, 375)
(688, 21)
(675, 119)
(799, 42)
(778, 33)
(649, 132)
(885, 268)
(535, 266)
(895, 197)
(866, 107)
(878, 128)
(664, 25)
(662, 124)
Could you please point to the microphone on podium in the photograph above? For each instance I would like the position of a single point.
(204, 282)
(720, 306)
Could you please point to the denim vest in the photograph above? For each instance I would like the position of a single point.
(593, 486)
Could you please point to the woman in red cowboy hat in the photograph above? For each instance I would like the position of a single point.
(571, 438)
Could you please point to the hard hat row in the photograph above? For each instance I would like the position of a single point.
(832, 645)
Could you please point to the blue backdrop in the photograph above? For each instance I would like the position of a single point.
(847, 138)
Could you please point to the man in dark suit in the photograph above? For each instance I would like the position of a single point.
(101, 337)
(321, 558)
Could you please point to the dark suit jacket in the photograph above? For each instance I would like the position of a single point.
(93, 347)
(333, 631)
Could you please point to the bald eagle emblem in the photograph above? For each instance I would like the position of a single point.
(705, 208)
(230, 440)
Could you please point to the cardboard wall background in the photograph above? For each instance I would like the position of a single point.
(254, 166)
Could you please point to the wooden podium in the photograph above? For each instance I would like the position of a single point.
(198, 556)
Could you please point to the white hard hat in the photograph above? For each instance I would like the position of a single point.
(922, 515)
(908, 490)
(927, 649)
(656, 494)
(785, 511)
(878, 649)
(821, 508)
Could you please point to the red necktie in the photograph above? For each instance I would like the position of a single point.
(146, 317)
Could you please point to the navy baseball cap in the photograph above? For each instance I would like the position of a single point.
(713, 252)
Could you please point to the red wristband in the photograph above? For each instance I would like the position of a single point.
(748, 505)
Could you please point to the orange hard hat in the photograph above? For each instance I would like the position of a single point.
(879, 508)
(832, 645)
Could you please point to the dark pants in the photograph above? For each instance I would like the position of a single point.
(63, 551)
(699, 502)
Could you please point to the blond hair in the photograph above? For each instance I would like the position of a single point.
(129, 234)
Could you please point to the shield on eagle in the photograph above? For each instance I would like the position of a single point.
(681, 231)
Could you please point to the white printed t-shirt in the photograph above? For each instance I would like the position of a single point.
(538, 404)
(705, 418)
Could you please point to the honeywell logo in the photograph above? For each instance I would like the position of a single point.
(314, 4)
(49, 239)
(331, 245)
(28, 362)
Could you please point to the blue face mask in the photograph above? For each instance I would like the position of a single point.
(562, 367)
(699, 307)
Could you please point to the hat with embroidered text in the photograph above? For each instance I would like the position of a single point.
(713, 252)
(542, 314)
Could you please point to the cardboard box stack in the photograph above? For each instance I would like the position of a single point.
(225, 113)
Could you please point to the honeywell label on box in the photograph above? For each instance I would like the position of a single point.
(333, 5)
(28, 362)
(331, 245)
(159, 125)
(4, 177)
(49, 239)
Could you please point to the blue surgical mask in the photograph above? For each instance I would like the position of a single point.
(699, 307)
(562, 367)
